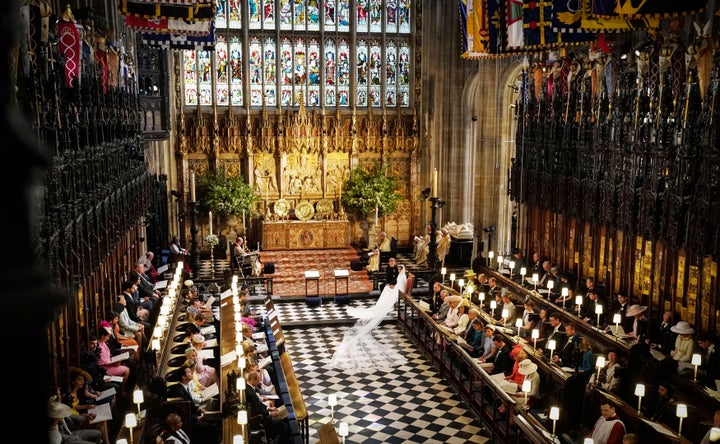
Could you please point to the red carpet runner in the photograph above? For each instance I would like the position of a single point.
(290, 267)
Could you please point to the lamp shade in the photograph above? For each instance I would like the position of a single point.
(157, 332)
(554, 413)
(481, 296)
(242, 362)
(121, 441)
(512, 265)
(715, 434)
(491, 254)
(344, 430)
(551, 344)
(550, 285)
(523, 271)
(526, 386)
(565, 291)
(452, 276)
(640, 390)
(238, 439)
(518, 322)
(443, 270)
(598, 309)
(130, 420)
(138, 396)
(470, 288)
(504, 313)
(493, 304)
(240, 384)
(155, 344)
(332, 400)
(600, 361)
(681, 411)
(696, 359)
(617, 317)
(461, 282)
(536, 278)
(578, 300)
(535, 333)
(588, 441)
(242, 418)
(500, 259)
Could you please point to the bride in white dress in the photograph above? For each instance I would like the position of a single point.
(359, 350)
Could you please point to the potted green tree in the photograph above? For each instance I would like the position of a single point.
(371, 191)
(227, 197)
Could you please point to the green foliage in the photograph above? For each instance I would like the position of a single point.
(366, 190)
(225, 195)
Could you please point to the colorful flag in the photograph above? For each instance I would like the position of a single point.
(537, 24)
(514, 24)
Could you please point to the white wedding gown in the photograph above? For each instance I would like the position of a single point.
(359, 350)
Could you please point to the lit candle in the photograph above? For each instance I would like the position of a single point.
(434, 183)
(192, 186)
(210, 219)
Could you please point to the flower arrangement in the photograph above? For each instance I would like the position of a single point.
(212, 240)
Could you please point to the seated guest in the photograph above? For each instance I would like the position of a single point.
(545, 274)
(207, 375)
(443, 309)
(684, 342)
(661, 336)
(463, 318)
(196, 306)
(527, 371)
(150, 270)
(610, 376)
(136, 311)
(529, 319)
(489, 348)
(503, 362)
(555, 332)
(709, 370)
(125, 341)
(277, 429)
(566, 281)
(641, 325)
(173, 432)
(586, 360)
(568, 355)
(64, 428)
(128, 327)
(507, 309)
(82, 398)
(468, 334)
(105, 361)
(620, 305)
(146, 289)
(662, 409)
(453, 317)
(588, 311)
(475, 339)
(202, 430)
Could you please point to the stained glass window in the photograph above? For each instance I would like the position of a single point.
(270, 51)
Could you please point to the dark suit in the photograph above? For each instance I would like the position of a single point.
(202, 430)
(180, 391)
(275, 428)
(503, 361)
(569, 354)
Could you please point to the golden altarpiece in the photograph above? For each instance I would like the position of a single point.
(298, 161)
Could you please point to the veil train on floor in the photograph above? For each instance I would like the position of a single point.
(359, 350)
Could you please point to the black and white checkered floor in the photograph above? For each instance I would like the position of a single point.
(409, 404)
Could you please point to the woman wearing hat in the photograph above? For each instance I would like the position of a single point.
(684, 342)
(59, 415)
(81, 398)
(641, 324)
(527, 371)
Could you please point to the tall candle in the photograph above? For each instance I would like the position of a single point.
(434, 183)
(210, 218)
(192, 186)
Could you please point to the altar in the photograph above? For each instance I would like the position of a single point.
(302, 235)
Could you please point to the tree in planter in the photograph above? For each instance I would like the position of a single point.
(371, 190)
(226, 196)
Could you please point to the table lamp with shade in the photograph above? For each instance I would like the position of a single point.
(565, 292)
(551, 346)
(518, 324)
(344, 431)
(598, 312)
(443, 271)
(599, 363)
(639, 392)
(452, 279)
(493, 306)
(696, 361)
(681, 413)
(578, 302)
(332, 402)
(550, 285)
(617, 317)
(130, 423)
(504, 314)
(535, 335)
(526, 387)
(536, 279)
(554, 415)
(138, 399)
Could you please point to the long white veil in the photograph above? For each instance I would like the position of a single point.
(359, 350)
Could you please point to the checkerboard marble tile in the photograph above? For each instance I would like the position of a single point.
(407, 404)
